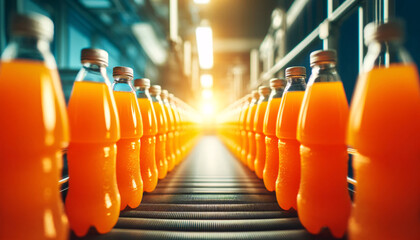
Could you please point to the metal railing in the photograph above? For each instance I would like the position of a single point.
(368, 10)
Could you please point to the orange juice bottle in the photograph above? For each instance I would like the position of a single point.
(93, 199)
(177, 122)
(170, 153)
(181, 128)
(244, 132)
(161, 137)
(259, 162)
(242, 108)
(321, 132)
(33, 131)
(148, 169)
(130, 184)
(250, 159)
(271, 167)
(384, 129)
(287, 184)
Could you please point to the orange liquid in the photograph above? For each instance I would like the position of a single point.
(270, 118)
(288, 115)
(323, 199)
(130, 184)
(271, 167)
(252, 149)
(244, 135)
(161, 160)
(170, 154)
(177, 123)
(161, 138)
(149, 172)
(287, 184)
(33, 128)
(288, 179)
(93, 198)
(323, 186)
(259, 162)
(324, 114)
(250, 159)
(384, 129)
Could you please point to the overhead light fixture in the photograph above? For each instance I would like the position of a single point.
(206, 80)
(150, 42)
(201, 1)
(204, 37)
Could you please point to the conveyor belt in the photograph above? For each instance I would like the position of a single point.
(209, 196)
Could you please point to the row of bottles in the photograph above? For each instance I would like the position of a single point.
(120, 138)
(295, 137)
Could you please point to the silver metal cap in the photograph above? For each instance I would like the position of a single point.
(142, 82)
(323, 56)
(33, 25)
(123, 71)
(296, 71)
(392, 30)
(94, 55)
(155, 90)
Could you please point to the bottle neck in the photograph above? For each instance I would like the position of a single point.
(385, 53)
(324, 73)
(277, 92)
(295, 83)
(156, 98)
(263, 99)
(142, 92)
(29, 48)
(93, 72)
(122, 84)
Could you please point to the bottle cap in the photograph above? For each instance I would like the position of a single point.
(33, 25)
(94, 55)
(277, 82)
(142, 82)
(323, 56)
(155, 90)
(392, 30)
(122, 71)
(164, 94)
(249, 97)
(255, 94)
(296, 71)
(264, 91)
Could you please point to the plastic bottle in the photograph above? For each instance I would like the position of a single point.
(148, 169)
(242, 108)
(321, 131)
(258, 129)
(130, 184)
(93, 199)
(287, 184)
(271, 167)
(161, 137)
(244, 132)
(384, 129)
(177, 127)
(170, 153)
(250, 128)
(33, 131)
